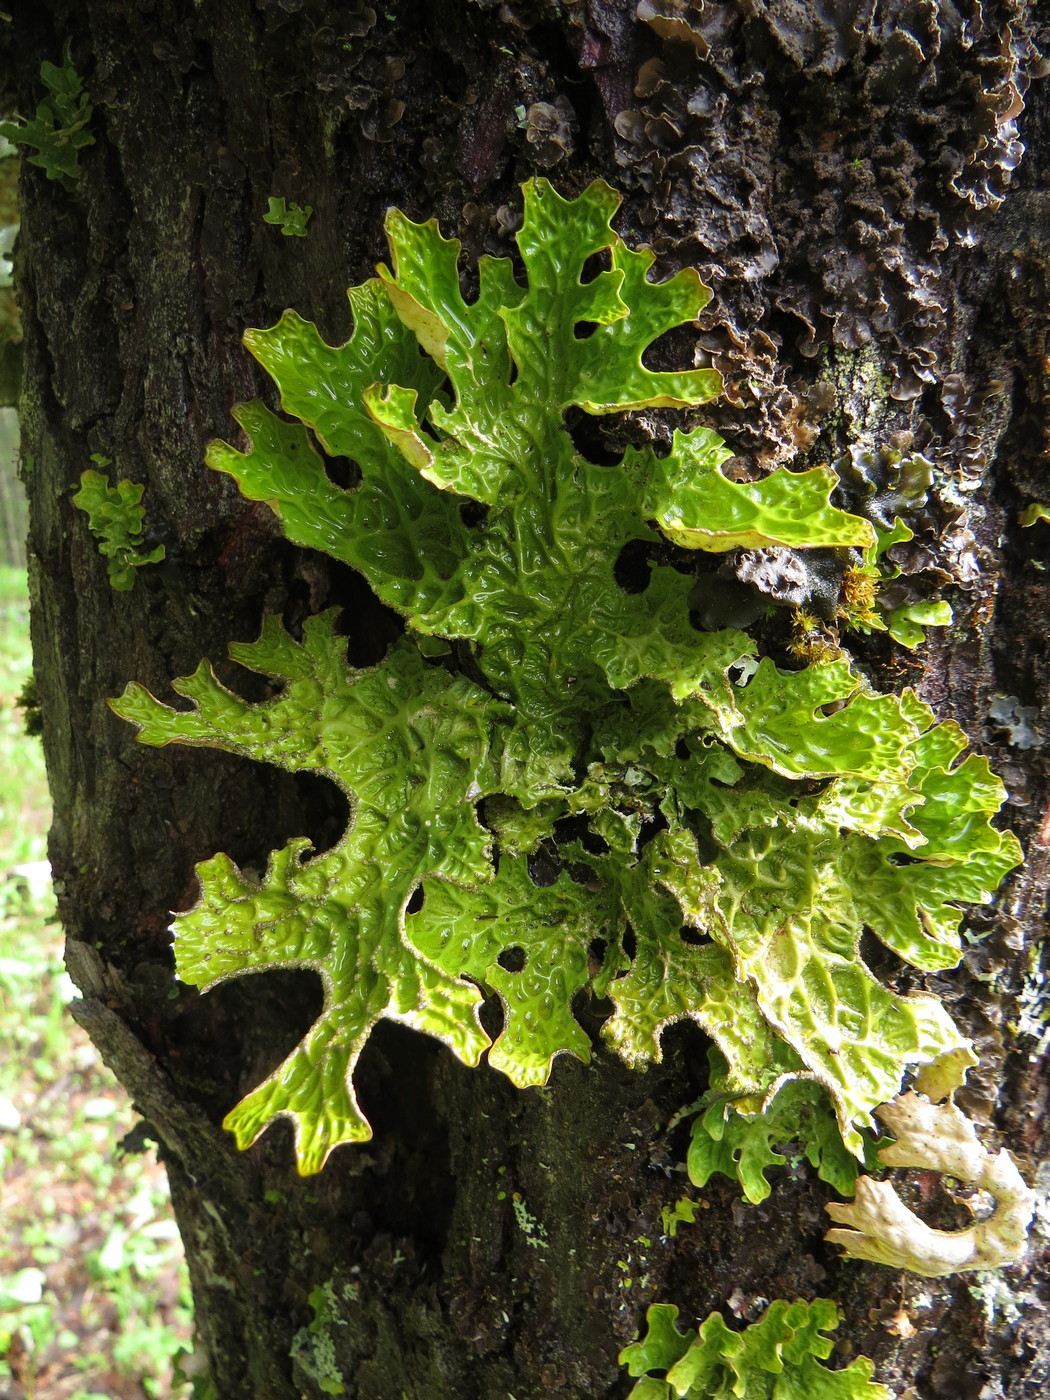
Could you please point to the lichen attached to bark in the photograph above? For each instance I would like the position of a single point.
(617, 801)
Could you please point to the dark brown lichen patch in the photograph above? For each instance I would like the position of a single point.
(810, 579)
(550, 131)
(883, 484)
(893, 132)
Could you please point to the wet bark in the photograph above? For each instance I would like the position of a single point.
(852, 184)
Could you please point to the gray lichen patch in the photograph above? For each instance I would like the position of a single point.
(1019, 721)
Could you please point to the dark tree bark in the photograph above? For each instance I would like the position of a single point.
(865, 186)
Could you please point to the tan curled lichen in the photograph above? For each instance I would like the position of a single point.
(937, 1137)
(676, 20)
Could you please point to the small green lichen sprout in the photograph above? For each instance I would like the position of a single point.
(743, 1147)
(290, 218)
(58, 132)
(115, 516)
(907, 623)
(777, 1358)
(612, 801)
(683, 1210)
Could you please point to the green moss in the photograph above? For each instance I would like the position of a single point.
(28, 702)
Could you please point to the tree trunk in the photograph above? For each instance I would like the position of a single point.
(865, 189)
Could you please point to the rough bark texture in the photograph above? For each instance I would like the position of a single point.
(849, 179)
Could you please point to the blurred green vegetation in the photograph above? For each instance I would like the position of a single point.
(10, 323)
(94, 1298)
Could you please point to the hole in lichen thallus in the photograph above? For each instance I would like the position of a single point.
(883, 962)
(577, 829)
(512, 959)
(673, 350)
(629, 944)
(415, 900)
(544, 867)
(473, 513)
(342, 472)
(633, 569)
(598, 262)
(831, 708)
(707, 848)
(651, 827)
(692, 937)
(591, 437)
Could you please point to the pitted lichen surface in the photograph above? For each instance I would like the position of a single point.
(619, 802)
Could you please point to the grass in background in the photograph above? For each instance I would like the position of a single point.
(94, 1299)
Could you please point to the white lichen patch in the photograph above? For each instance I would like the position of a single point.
(937, 1137)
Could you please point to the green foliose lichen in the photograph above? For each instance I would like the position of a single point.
(115, 515)
(291, 219)
(58, 131)
(743, 1146)
(617, 802)
(777, 1358)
